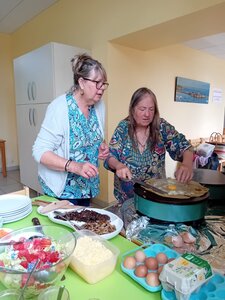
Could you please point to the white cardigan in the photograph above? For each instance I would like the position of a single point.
(54, 136)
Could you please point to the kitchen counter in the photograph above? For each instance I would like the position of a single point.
(114, 287)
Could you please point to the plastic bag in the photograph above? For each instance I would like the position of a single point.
(135, 226)
(179, 237)
(205, 150)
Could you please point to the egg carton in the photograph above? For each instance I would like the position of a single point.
(150, 251)
(211, 290)
(185, 274)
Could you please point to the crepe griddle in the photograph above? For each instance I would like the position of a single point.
(169, 209)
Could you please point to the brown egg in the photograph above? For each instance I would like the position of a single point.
(151, 263)
(161, 258)
(188, 238)
(141, 271)
(152, 279)
(189, 247)
(160, 269)
(129, 262)
(177, 241)
(140, 256)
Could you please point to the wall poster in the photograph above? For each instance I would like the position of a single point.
(194, 91)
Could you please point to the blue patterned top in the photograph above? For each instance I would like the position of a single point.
(85, 139)
(146, 165)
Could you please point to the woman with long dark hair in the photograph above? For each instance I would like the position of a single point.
(139, 144)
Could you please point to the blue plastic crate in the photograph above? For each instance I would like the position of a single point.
(151, 250)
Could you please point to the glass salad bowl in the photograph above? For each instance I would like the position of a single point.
(20, 249)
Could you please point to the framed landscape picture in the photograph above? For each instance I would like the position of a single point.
(188, 90)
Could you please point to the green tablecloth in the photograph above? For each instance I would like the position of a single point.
(114, 287)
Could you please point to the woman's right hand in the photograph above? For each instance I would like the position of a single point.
(86, 170)
(123, 172)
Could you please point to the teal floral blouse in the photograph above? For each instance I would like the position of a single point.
(85, 139)
(146, 165)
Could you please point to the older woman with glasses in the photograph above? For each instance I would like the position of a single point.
(71, 139)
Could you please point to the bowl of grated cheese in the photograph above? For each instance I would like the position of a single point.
(94, 258)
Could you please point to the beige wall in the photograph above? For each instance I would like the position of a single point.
(93, 24)
(7, 101)
(130, 69)
(90, 24)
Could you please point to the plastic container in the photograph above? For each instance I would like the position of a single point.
(92, 266)
(211, 290)
(185, 275)
(152, 250)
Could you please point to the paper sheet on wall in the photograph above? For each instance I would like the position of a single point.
(217, 95)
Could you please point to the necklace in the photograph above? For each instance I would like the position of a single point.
(142, 140)
(142, 145)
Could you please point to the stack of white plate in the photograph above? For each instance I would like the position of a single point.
(14, 207)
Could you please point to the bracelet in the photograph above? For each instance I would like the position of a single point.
(67, 164)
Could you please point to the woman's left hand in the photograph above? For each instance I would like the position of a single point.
(103, 151)
(183, 173)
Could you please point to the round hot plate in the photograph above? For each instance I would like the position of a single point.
(169, 209)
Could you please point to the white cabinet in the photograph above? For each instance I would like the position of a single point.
(34, 76)
(29, 119)
(44, 73)
(40, 76)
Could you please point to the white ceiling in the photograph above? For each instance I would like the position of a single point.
(14, 13)
(213, 44)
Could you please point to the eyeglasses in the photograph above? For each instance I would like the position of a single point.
(99, 84)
